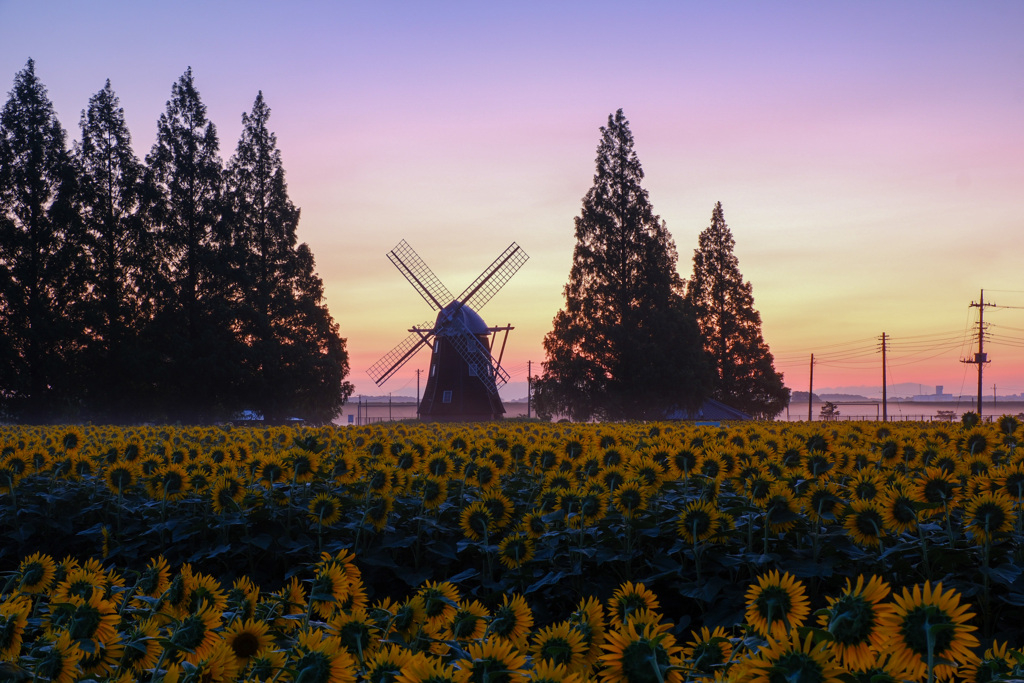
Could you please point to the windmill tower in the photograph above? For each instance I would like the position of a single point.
(464, 375)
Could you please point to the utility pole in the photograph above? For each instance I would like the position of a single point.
(418, 371)
(980, 358)
(885, 412)
(810, 392)
(529, 386)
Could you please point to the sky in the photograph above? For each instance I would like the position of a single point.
(869, 156)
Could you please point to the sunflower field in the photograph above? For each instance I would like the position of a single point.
(512, 552)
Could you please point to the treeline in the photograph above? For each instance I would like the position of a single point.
(169, 289)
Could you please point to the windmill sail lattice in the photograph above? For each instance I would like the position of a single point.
(464, 377)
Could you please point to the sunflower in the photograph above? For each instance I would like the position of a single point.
(322, 660)
(438, 465)
(440, 600)
(776, 604)
(592, 506)
(141, 649)
(865, 522)
(500, 507)
(899, 511)
(385, 664)
(170, 482)
(630, 497)
(995, 664)
(511, 620)
(303, 464)
(534, 524)
(271, 469)
(929, 625)
(636, 653)
(476, 521)
(559, 644)
(853, 619)
(355, 632)
(93, 619)
(246, 638)
(469, 622)
(611, 478)
(588, 619)
(226, 493)
(154, 579)
(58, 659)
(378, 510)
(325, 509)
(1010, 480)
(790, 658)
(866, 485)
(103, 658)
(37, 571)
(988, 516)
(426, 669)
(629, 599)
(330, 589)
(546, 672)
(708, 651)
(493, 660)
(936, 487)
(781, 510)
(697, 521)
(822, 502)
(434, 492)
(201, 588)
(194, 637)
(121, 477)
(13, 618)
(515, 550)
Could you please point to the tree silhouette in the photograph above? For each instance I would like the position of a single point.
(295, 362)
(200, 359)
(121, 256)
(624, 346)
(724, 306)
(42, 262)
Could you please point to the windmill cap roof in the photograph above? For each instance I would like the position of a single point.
(470, 318)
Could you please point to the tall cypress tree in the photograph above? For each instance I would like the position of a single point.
(295, 360)
(724, 305)
(200, 360)
(42, 261)
(122, 260)
(624, 346)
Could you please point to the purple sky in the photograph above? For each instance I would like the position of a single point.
(868, 155)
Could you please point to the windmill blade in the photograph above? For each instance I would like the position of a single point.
(393, 360)
(494, 277)
(419, 275)
(477, 356)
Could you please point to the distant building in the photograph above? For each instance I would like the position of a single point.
(710, 410)
(938, 396)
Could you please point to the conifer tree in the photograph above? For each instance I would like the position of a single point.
(42, 262)
(295, 361)
(624, 346)
(121, 258)
(201, 359)
(731, 327)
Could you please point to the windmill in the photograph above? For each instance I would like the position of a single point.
(464, 376)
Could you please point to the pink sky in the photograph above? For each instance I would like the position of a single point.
(868, 155)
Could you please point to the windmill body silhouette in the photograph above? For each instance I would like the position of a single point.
(464, 375)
